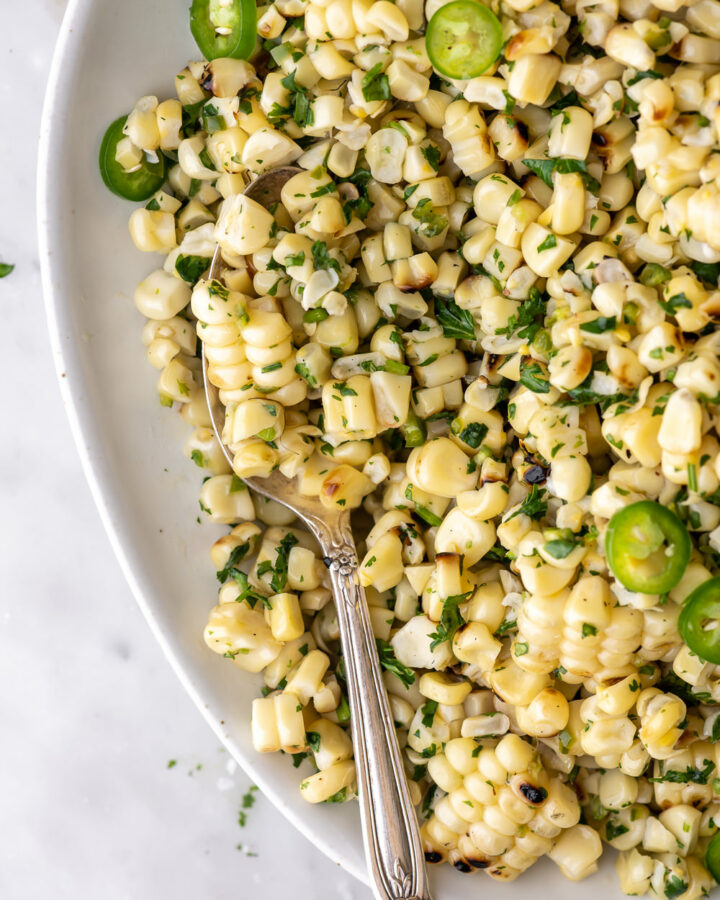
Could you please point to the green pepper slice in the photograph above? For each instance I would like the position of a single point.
(414, 430)
(222, 31)
(137, 185)
(699, 627)
(647, 547)
(463, 39)
(712, 857)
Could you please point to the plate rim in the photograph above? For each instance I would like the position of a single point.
(68, 375)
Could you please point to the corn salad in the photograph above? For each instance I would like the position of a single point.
(483, 316)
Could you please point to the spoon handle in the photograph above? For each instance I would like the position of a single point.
(390, 827)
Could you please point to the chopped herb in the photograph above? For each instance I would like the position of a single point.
(560, 548)
(548, 244)
(433, 223)
(432, 155)
(409, 191)
(526, 323)
(715, 735)
(236, 556)
(707, 272)
(427, 801)
(544, 169)
(599, 325)
(648, 73)
(343, 710)
(315, 315)
(677, 301)
(450, 619)
(247, 802)
(303, 371)
(428, 713)
(204, 158)
(691, 775)
(515, 197)
(344, 390)
(613, 831)
(533, 505)
(533, 376)
(300, 108)
(321, 257)
(675, 886)
(375, 84)
(473, 434)
(295, 259)
(506, 627)
(328, 188)
(279, 579)
(456, 322)
(391, 664)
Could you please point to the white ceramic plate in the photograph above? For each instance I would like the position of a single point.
(108, 55)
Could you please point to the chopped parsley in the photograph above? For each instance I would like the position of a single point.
(613, 830)
(547, 244)
(428, 713)
(544, 169)
(675, 886)
(433, 223)
(450, 620)
(389, 662)
(432, 155)
(691, 775)
(456, 322)
(473, 434)
(344, 390)
(236, 556)
(674, 303)
(599, 325)
(533, 505)
(279, 579)
(533, 376)
(528, 320)
(375, 84)
(321, 257)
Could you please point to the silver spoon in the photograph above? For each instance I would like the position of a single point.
(390, 827)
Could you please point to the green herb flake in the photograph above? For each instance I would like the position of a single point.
(389, 662)
(375, 84)
(456, 322)
(450, 620)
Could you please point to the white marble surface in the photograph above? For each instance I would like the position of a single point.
(90, 712)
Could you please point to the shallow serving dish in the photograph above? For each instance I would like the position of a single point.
(146, 491)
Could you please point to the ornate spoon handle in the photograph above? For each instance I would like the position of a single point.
(390, 827)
